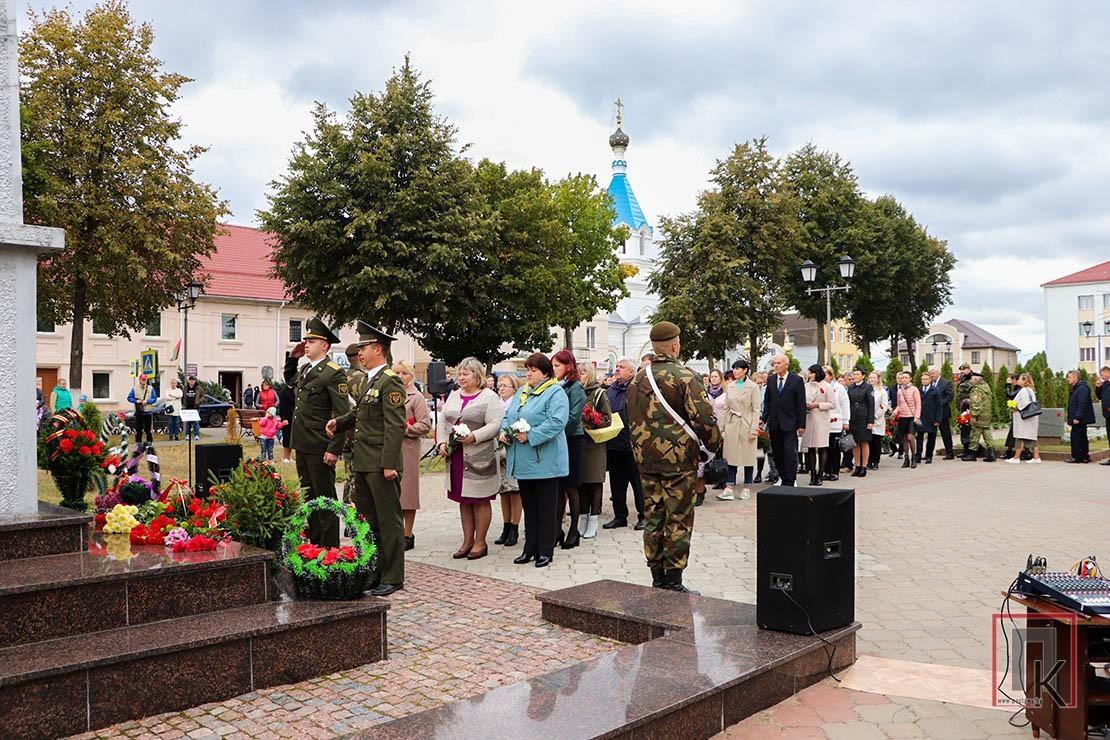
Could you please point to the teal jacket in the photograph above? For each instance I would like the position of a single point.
(544, 455)
(576, 395)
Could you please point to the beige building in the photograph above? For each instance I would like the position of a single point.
(956, 341)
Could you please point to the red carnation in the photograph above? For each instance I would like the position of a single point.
(194, 506)
(84, 450)
(66, 445)
(101, 520)
(88, 435)
(347, 552)
(330, 556)
(71, 434)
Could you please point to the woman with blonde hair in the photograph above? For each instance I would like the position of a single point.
(417, 424)
(473, 477)
(1025, 430)
(511, 508)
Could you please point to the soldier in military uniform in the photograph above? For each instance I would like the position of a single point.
(982, 404)
(378, 421)
(322, 393)
(667, 456)
(356, 378)
(963, 392)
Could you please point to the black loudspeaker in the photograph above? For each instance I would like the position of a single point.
(805, 558)
(217, 459)
(437, 379)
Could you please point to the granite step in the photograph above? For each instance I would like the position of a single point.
(51, 596)
(54, 530)
(84, 682)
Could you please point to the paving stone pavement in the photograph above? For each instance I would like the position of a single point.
(935, 546)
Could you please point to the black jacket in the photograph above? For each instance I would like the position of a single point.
(785, 411)
(946, 393)
(1079, 404)
(1103, 393)
(861, 405)
(931, 409)
(623, 441)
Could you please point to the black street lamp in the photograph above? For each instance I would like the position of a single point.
(809, 274)
(187, 299)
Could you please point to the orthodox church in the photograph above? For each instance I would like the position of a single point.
(630, 324)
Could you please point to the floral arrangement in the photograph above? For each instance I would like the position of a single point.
(508, 434)
(173, 519)
(763, 440)
(592, 418)
(328, 573)
(136, 490)
(1012, 404)
(121, 519)
(258, 502)
(964, 419)
(458, 432)
(73, 454)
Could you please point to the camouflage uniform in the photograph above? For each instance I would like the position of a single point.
(982, 403)
(356, 379)
(668, 458)
(963, 392)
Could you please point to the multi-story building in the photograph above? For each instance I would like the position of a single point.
(957, 341)
(1077, 319)
(798, 335)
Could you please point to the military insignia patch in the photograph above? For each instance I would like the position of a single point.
(343, 388)
(396, 398)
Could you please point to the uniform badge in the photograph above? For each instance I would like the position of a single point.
(343, 388)
(374, 392)
(396, 398)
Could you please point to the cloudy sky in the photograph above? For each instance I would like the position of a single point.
(988, 120)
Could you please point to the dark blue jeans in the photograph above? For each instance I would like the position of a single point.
(173, 427)
(749, 473)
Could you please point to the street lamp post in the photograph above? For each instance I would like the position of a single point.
(1088, 327)
(186, 300)
(809, 274)
(947, 349)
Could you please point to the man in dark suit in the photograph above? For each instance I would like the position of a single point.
(784, 414)
(944, 389)
(1081, 413)
(1102, 390)
(930, 420)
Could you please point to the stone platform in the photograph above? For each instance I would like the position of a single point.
(696, 666)
(109, 631)
(53, 531)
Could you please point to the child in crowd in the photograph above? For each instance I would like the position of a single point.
(268, 427)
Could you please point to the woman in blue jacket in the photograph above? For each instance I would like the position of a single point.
(537, 458)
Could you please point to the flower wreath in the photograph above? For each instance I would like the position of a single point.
(294, 538)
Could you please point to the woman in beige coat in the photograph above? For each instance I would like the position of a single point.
(819, 403)
(473, 473)
(417, 424)
(741, 429)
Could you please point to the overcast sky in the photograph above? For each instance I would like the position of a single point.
(989, 121)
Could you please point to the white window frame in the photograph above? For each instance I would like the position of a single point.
(591, 337)
(53, 331)
(235, 325)
(1089, 299)
(159, 335)
(1086, 354)
(101, 372)
(300, 330)
(976, 357)
(1106, 301)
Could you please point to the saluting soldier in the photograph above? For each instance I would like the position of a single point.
(667, 456)
(378, 420)
(322, 393)
(356, 379)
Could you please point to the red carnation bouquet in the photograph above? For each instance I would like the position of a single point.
(592, 418)
(73, 453)
(964, 419)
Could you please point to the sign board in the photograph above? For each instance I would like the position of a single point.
(134, 368)
(267, 372)
(148, 362)
(191, 369)
(190, 415)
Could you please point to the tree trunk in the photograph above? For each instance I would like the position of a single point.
(893, 346)
(822, 344)
(911, 348)
(77, 338)
(568, 338)
(754, 352)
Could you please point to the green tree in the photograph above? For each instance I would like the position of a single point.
(988, 375)
(378, 216)
(1046, 385)
(103, 160)
(829, 205)
(864, 363)
(1001, 409)
(794, 366)
(890, 377)
(835, 367)
(722, 268)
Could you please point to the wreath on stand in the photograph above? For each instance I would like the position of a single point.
(331, 573)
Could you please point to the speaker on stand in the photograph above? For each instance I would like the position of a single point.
(438, 387)
(805, 559)
(217, 459)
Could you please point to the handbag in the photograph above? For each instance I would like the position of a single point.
(715, 471)
(709, 456)
(604, 434)
(1033, 409)
(847, 442)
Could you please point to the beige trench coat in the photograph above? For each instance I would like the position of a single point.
(741, 422)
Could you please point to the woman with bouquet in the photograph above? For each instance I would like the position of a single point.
(565, 367)
(596, 414)
(468, 429)
(417, 424)
(535, 430)
(507, 387)
(1025, 430)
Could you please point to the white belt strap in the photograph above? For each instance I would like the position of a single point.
(674, 415)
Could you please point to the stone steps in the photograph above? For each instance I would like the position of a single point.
(73, 593)
(76, 684)
(54, 530)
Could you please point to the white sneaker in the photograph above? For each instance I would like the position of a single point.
(1015, 461)
(1034, 461)
(591, 527)
(745, 494)
(726, 495)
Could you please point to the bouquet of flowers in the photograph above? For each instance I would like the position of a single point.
(964, 419)
(73, 453)
(257, 503)
(458, 431)
(520, 426)
(763, 440)
(135, 490)
(592, 418)
(1012, 404)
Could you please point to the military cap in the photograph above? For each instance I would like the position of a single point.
(352, 349)
(368, 334)
(977, 375)
(965, 366)
(664, 331)
(317, 329)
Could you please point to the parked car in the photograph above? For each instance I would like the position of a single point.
(213, 413)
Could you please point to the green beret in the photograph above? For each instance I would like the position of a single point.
(664, 331)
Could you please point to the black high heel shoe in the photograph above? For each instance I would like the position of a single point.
(504, 534)
(525, 557)
(570, 541)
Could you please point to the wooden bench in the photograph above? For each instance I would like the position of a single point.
(247, 417)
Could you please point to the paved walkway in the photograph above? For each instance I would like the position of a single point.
(935, 546)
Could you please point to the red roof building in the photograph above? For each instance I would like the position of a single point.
(1100, 273)
(241, 266)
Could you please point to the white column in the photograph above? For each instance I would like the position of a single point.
(19, 248)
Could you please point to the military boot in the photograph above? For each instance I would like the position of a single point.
(672, 581)
(989, 454)
(657, 576)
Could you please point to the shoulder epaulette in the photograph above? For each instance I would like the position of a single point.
(333, 366)
(389, 372)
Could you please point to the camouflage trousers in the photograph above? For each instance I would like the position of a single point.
(349, 483)
(977, 431)
(668, 518)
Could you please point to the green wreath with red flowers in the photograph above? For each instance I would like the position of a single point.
(304, 558)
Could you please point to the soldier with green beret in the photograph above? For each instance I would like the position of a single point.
(378, 421)
(667, 456)
(982, 403)
(322, 393)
